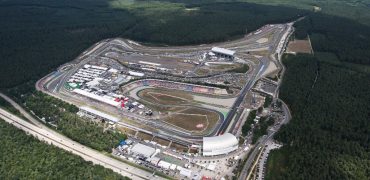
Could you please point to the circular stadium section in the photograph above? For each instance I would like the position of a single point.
(218, 145)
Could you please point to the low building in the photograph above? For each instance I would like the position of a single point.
(218, 145)
(141, 149)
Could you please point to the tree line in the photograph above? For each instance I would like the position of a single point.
(24, 157)
(64, 116)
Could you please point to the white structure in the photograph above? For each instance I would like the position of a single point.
(98, 67)
(99, 114)
(106, 100)
(217, 145)
(154, 160)
(185, 172)
(223, 52)
(143, 150)
(133, 73)
(164, 164)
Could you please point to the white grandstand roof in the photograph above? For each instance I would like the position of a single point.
(97, 97)
(99, 114)
(223, 51)
(217, 145)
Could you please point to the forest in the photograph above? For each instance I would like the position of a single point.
(344, 39)
(39, 35)
(67, 122)
(247, 126)
(328, 136)
(24, 157)
(8, 107)
(63, 115)
(328, 95)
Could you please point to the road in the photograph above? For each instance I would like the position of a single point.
(49, 136)
(243, 92)
(21, 110)
(262, 141)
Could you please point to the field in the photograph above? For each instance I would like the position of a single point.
(300, 46)
(174, 108)
(165, 96)
(126, 130)
(161, 141)
(144, 136)
(225, 67)
(179, 147)
(167, 62)
(193, 119)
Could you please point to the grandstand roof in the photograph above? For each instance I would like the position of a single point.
(97, 97)
(219, 144)
(99, 113)
(223, 51)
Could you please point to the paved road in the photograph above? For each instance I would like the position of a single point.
(262, 141)
(21, 110)
(44, 133)
(240, 98)
(243, 175)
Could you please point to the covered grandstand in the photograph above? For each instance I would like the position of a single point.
(218, 145)
(98, 114)
(104, 99)
(222, 52)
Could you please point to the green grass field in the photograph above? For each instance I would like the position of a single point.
(165, 96)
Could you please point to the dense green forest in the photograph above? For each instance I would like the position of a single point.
(8, 107)
(328, 94)
(24, 157)
(39, 35)
(247, 126)
(344, 39)
(261, 128)
(357, 10)
(328, 136)
(63, 115)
